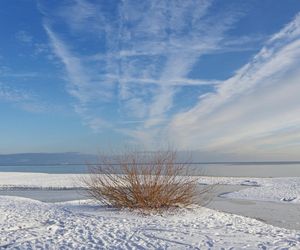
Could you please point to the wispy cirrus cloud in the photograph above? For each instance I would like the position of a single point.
(128, 66)
(6, 72)
(14, 92)
(82, 83)
(147, 51)
(22, 99)
(24, 37)
(255, 111)
(11, 94)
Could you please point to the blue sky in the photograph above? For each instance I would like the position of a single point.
(217, 77)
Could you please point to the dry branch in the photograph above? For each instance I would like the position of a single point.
(148, 181)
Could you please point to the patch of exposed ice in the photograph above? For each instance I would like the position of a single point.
(286, 189)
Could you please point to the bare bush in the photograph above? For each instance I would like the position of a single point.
(148, 181)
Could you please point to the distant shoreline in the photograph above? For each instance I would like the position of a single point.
(191, 163)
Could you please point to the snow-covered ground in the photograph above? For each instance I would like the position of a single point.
(278, 190)
(286, 189)
(30, 224)
(39, 180)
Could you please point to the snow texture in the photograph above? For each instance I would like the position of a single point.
(30, 224)
(277, 189)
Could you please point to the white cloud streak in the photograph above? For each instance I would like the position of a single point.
(252, 112)
(81, 86)
(150, 47)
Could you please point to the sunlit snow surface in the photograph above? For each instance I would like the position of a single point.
(29, 224)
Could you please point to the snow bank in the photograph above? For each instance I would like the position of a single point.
(39, 180)
(29, 224)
